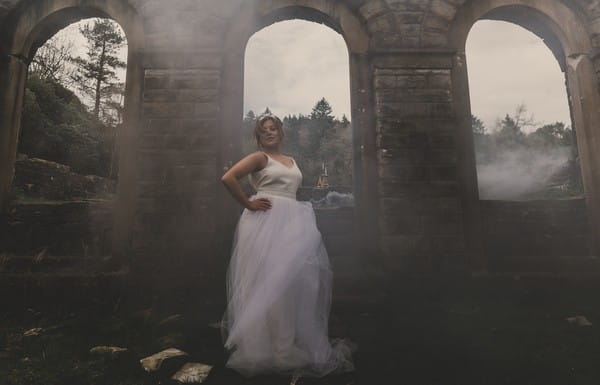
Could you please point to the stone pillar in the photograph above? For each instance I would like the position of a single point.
(13, 73)
(175, 178)
(583, 86)
(365, 160)
(421, 213)
(467, 170)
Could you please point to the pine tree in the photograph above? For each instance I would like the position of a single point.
(345, 122)
(96, 74)
(250, 116)
(322, 111)
(477, 125)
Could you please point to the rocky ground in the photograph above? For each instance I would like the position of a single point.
(485, 330)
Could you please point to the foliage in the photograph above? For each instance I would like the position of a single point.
(312, 141)
(56, 126)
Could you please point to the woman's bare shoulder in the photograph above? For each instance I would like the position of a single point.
(257, 158)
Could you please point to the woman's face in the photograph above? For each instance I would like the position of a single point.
(270, 136)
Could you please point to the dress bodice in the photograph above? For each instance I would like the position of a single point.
(276, 178)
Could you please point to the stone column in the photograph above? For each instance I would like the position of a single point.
(467, 170)
(585, 101)
(13, 73)
(421, 213)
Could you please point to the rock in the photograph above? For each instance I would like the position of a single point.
(163, 361)
(172, 340)
(192, 373)
(579, 320)
(142, 316)
(171, 323)
(172, 319)
(33, 332)
(111, 351)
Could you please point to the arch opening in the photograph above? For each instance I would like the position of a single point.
(502, 233)
(524, 138)
(89, 147)
(72, 114)
(299, 70)
(339, 19)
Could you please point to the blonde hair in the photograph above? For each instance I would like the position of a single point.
(258, 126)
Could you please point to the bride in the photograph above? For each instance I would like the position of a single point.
(279, 278)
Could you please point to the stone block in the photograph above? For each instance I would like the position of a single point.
(443, 173)
(434, 39)
(408, 17)
(373, 8)
(435, 23)
(414, 60)
(408, 5)
(441, 80)
(403, 173)
(381, 25)
(406, 110)
(401, 223)
(418, 95)
(443, 9)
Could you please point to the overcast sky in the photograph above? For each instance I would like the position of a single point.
(509, 65)
(290, 65)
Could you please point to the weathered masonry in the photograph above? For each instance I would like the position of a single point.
(418, 208)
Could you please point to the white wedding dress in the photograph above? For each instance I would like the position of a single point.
(279, 286)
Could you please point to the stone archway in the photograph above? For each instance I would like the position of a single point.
(565, 35)
(252, 17)
(32, 24)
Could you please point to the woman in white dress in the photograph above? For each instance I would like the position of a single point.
(279, 277)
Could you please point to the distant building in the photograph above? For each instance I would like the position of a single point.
(323, 181)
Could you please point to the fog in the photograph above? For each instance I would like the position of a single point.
(516, 174)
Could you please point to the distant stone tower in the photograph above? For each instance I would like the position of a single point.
(323, 181)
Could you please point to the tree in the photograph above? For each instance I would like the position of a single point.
(551, 136)
(322, 111)
(96, 74)
(345, 122)
(250, 116)
(52, 61)
(509, 135)
(477, 125)
(521, 120)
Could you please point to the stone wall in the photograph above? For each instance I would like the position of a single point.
(538, 236)
(38, 178)
(417, 206)
(420, 209)
(78, 228)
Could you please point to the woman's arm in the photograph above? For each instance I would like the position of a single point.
(251, 163)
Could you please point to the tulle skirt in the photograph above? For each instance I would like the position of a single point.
(279, 295)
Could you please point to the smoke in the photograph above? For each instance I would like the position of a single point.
(517, 173)
(334, 199)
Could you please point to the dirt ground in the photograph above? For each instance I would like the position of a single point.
(426, 330)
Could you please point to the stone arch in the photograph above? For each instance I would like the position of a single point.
(565, 34)
(31, 25)
(251, 17)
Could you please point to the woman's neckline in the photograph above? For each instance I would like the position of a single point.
(281, 163)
